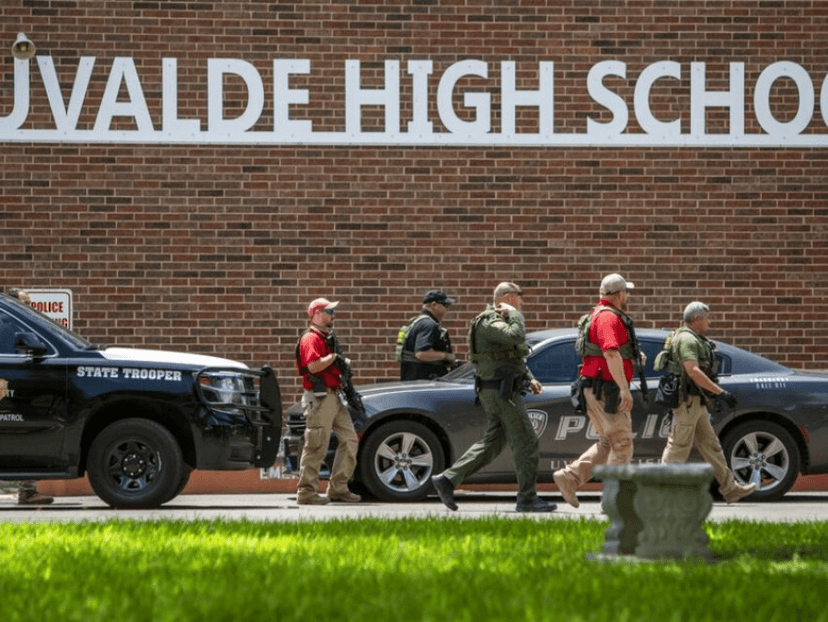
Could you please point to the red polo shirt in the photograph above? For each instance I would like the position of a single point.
(609, 333)
(312, 347)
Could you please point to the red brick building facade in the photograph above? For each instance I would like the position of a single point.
(197, 172)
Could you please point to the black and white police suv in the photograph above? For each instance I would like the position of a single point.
(136, 421)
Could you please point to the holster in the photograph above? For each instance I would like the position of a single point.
(577, 395)
(611, 395)
(507, 386)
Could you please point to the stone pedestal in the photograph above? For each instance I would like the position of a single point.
(657, 510)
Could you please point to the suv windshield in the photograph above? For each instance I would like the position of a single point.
(37, 318)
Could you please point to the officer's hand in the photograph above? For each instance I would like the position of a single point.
(728, 398)
(536, 387)
(504, 309)
(643, 359)
(450, 357)
(626, 400)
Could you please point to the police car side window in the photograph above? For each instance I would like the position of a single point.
(555, 363)
(9, 327)
(651, 349)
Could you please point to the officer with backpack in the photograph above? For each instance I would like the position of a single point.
(498, 349)
(691, 357)
(609, 353)
(423, 344)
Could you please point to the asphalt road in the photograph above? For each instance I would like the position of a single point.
(794, 507)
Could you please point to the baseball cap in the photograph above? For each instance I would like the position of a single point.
(320, 304)
(435, 295)
(614, 283)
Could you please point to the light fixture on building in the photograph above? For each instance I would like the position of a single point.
(23, 48)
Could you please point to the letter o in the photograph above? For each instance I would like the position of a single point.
(761, 99)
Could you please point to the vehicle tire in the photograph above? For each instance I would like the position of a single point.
(763, 452)
(397, 460)
(185, 479)
(135, 463)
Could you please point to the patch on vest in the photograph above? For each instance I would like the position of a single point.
(539, 419)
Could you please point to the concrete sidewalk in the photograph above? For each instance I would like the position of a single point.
(794, 507)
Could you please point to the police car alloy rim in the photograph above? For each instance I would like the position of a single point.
(761, 458)
(397, 459)
(403, 462)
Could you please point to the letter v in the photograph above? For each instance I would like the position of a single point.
(66, 119)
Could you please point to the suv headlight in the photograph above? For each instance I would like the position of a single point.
(224, 390)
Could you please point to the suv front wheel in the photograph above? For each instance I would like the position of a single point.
(135, 463)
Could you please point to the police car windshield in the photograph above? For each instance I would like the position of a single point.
(73, 338)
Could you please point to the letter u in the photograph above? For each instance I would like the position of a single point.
(21, 97)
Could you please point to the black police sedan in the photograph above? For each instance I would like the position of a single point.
(413, 430)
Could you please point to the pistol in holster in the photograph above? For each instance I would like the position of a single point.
(577, 396)
(507, 386)
(611, 394)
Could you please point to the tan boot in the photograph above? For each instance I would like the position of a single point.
(567, 488)
(32, 497)
(344, 497)
(314, 500)
(738, 492)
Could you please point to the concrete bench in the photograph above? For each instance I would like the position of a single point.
(657, 510)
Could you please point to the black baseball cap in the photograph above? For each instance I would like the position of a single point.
(435, 295)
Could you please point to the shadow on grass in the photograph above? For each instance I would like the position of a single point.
(778, 553)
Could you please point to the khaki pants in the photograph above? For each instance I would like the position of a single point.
(331, 415)
(691, 426)
(614, 445)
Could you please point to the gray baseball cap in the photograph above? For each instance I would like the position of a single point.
(614, 283)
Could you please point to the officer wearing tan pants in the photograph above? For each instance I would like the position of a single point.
(325, 411)
(694, 362)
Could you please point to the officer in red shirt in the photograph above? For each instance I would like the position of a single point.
(611, 366)
(325, 411)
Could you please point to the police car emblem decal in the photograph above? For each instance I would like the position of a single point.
(539, 419)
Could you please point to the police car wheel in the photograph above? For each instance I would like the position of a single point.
(397, 460)
(763, 452)
(135, 463)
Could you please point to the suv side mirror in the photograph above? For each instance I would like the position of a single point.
(29, 343)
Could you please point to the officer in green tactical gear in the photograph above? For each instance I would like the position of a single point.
(498, 349)
(692, 359)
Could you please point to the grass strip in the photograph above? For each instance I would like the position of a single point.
(435, 568)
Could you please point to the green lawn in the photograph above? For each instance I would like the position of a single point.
(400, 571)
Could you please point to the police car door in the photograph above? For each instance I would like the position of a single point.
(33, 404)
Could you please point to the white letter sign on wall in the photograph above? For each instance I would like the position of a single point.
(461, 94)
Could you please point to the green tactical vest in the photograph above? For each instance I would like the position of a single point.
(585, 347)
(707, 360)
(490, 360)
(707, 363)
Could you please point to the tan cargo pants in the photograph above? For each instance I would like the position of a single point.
(691, 426)
(331, 415)
(614, 444)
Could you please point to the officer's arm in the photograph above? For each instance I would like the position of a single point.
(323, 363)
(510, 330)
(692, 369)
(616, 368)
(428, 356)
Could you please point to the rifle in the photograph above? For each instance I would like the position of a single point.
(639, 368)
(351, 395)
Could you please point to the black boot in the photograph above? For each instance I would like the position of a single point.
(445, 489)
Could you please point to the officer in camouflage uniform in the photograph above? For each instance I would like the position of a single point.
(693, 361)
(497, 343)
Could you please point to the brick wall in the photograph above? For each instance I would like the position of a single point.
(218, 248)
